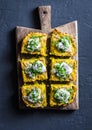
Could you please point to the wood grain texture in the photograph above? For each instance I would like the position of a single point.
(45, 18)
(21, 32)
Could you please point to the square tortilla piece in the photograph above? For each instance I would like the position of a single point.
(25, 62)
(27, 88)
(55, 37)
(42, 37)
(70, 87)
(72, 63)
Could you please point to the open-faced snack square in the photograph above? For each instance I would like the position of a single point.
(34, 69)
(62, 44)
(62, 94)
(63, 70)
(34, 95)
(34, 43)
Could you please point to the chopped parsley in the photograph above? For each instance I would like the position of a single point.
(64, 44)
(62, 70)
(70, 90)
(33, 44)
(34, 68)
(61, 95)
(34, 96)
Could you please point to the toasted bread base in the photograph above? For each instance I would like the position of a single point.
(54, 38)
(66, 86)
(70, 62)
(43, 43)
(25, 62)
(42, 87)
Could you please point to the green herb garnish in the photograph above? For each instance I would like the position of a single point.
(64, 43)
(62, 70)
(61, 95)
(33, 44)
(34, 68)
(34, 96)
(70, 90)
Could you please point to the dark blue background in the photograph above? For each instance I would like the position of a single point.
(24, 13)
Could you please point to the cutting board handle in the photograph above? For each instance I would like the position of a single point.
(45, 18)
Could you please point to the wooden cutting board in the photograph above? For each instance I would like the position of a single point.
(45, 20)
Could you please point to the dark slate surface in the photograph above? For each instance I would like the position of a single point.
(24, 13)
